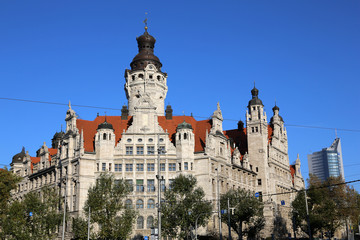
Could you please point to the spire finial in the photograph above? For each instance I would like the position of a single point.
(61, 128)
(69, 104)
(254, 83)
(275, 101)
(145, 22)
(336, 133)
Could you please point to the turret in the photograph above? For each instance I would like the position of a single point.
(105, 141)
(185, 144)
(70, 120)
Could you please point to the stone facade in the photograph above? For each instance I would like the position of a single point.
(254, 157)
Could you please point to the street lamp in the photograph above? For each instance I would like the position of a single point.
(218, 200)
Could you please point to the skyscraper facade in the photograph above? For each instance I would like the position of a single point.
(327, 162)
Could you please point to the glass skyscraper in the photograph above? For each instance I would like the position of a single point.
(327, 162)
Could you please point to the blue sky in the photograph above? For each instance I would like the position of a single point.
(305, 54)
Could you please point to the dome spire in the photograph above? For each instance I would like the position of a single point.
(146, 45)
(145, 22)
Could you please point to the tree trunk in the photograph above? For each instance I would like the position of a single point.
(240, 231)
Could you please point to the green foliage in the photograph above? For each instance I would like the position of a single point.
(280, 230)
(184, 203)
(8, 182)
(248, 211)
(105, 200)
(329, 206)
(80, 228)
(41, 225)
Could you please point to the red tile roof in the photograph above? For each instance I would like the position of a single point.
(199, 129)
(34, 160)
(292, 171)
(52, 151)
(89, 128)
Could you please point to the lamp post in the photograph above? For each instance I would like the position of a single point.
(218, 200)
(307, 216)
(159, 187)
(89, 225)
(64, 217)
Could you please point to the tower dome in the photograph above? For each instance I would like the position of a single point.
(105, 125)
(184, 125)
(18, 158)
(146, 44)
(255, 99)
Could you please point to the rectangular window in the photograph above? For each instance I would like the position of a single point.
(139, 167)
(186, 165)
(252, 129)
(162, 150)
(97, 167)
(140, 150)
(129, 182)
(170, 183)
(150, 150)
(110, 167)
(129, 150)
(151, 185)
(151, 167)
(179, 166)
(139, 185)
(162, 185)
(118, 167)
(172, 167)
(256, 129)
(103, 167)
(259, 182)
(129, 167)
(162, 167)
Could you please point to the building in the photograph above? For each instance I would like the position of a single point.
(327, 162)
(253, 157)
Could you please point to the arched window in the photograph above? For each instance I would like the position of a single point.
(185, 136)
(104, 136)
(139, 203)
(140, 222)
(150, 222)
(99, 137)
(151, 203)
(128, 204)
(110, 136)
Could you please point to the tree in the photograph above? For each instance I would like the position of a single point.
(37, 216)
(184, 203)
(8, 182)
(330, 204)
(280, 230)
(108, 211)
(80, 228)
(248, 211)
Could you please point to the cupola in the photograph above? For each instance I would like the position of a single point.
(146, 44)
(255, 99)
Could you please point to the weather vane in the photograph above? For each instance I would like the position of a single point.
(145, 21)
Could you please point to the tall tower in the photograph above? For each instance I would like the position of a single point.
(257, 134)
(145, 79)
